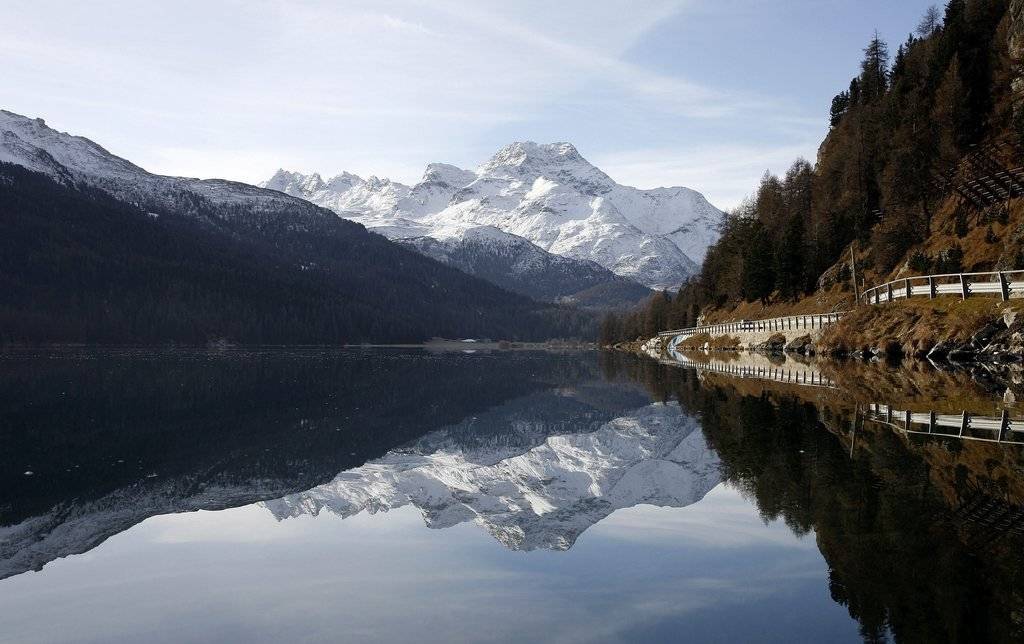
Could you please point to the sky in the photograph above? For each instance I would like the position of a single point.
(707, 94)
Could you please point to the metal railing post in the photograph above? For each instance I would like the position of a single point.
(963, 286)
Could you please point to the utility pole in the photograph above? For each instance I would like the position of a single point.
(853, 268)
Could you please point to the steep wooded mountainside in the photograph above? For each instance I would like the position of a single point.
(79, 265)
(892, 179)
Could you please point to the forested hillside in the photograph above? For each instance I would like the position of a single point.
(884, 185)
(78, 265)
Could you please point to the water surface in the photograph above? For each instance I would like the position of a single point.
(385, 495)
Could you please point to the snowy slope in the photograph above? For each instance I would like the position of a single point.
(547, 194)
(544, 497)
(520, 266)
(31, 143)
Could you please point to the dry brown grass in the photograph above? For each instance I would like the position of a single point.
(914, 326)
(833, 299)
(979, 254)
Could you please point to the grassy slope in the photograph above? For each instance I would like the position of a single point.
(916, 324)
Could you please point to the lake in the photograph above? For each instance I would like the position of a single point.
(386, 495)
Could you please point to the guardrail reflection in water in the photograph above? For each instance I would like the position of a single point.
(967, 426)
(797, 374)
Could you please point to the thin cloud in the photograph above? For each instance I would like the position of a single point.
(724, 173)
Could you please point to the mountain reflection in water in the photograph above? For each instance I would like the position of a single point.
(544, 497)
(921, 534)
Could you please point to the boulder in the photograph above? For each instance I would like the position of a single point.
(983, 336)
(1009, 317)
(803, 344)
(774, 344)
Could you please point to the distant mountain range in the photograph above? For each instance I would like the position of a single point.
(94, 248)
(545, 194)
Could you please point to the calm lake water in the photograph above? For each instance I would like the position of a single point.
(387, 496)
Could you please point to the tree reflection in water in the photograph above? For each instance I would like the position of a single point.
(923, 536)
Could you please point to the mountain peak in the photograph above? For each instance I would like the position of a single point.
(343, 181)
(294, 183)
(551, 196)
(448, 174)
(34, 144)
(528, 153)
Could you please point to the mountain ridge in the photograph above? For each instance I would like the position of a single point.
(548, 194)
(95, 248)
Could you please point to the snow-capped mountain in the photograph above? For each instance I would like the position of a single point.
(544, 497)
(291, 251)
(547, 194)
(67, 158)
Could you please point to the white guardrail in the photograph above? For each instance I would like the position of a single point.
(1005, 284)
(1002, 283)
(789, 323)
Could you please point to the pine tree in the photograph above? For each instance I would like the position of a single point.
(657, 314)
(610, 330)
(758, 269)
(874, 78)
(854, 92)
(930, 22)
(790, 258)
(840, 104)
(950, 113)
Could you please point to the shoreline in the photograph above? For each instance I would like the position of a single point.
(442, 345)
(954, 331)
